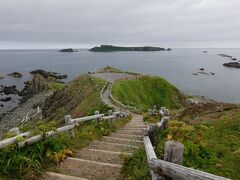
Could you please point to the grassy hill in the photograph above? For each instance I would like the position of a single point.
(80, 97)
(147, 91)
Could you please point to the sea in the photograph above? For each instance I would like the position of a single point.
(179, 66)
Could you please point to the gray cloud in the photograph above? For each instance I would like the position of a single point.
(173, 23)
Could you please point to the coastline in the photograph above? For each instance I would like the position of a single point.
(15, 116)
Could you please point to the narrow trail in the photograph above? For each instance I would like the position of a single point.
(101, 159)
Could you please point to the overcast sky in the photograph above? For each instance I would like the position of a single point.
(86, 23)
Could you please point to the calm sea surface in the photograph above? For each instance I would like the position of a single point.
(176, 66)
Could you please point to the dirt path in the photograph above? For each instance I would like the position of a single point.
(106, 99)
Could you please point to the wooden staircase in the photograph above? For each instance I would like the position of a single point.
(101, 159)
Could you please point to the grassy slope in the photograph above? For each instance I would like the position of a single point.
(80, 97)
(146, 92)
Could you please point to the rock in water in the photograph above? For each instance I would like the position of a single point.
(1, 77)
(15, 74)
(9, 90)
(48, 75)
(232, 64)
(6, 99)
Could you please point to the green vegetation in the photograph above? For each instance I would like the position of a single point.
(31, 161)
(79, 98)
(56, 86)
(147, 91)
(212, 143)
(135, 167)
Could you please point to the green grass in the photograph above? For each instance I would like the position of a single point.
(56, 86)
(148, 91)
(212, 146)
(135, 167)
(31, 161)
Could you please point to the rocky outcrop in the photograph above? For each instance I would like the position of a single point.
(15, 74)
(1, 77)
(48, 75)
(36, 85)
(110, 48)
(232, 64)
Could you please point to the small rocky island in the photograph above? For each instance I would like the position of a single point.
(68, 50)
(232, 64)
(111, 48)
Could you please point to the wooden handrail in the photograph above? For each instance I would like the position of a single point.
(160, 168)
(73, 124)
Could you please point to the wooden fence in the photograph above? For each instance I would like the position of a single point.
(170, 167)
(69, 127)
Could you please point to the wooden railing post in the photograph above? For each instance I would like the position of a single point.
(97, 119)
(153, 134)
(15, 131)
(173, 152)
(68, 122)
(110, 112)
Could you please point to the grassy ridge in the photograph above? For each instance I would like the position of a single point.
(80, 97)
(146, 92)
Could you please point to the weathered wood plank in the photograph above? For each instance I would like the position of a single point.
(87, 118)
(67, 119)
(151, 155)
(173, 152)
(13, 140)
(180, 172)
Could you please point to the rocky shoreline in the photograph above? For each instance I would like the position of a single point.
(33, 95)
(15, 116)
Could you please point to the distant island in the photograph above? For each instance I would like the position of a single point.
(68, 50)
(111, 48)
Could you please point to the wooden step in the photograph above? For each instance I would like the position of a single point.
(129, 131)
(111, 146)
(138, 126)
(56, 176)
(126, 136)
(90, 169)
(132, 128)
(99, 155)
(122, 140)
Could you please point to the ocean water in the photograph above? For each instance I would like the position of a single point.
(176, 66)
